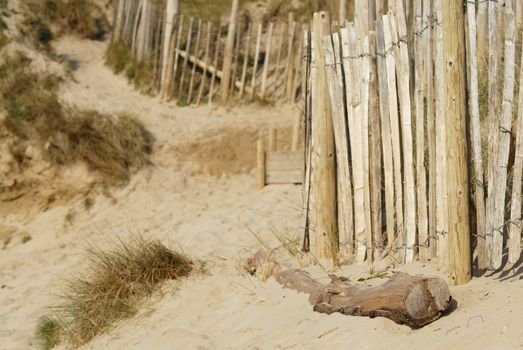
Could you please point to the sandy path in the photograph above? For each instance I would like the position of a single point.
(205, 216)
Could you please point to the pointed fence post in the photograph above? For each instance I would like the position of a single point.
(324, 211)
(229, 48)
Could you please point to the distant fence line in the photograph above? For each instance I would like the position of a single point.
(376, 130)
(266, 62)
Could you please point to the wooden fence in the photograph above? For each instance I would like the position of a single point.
(381, 155)
(188, 54)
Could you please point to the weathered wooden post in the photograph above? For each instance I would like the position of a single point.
(229, 47)
(261, 163)
(324, 211)
(343, 11)
(483, 29)
(460, 259)
(519, 14)
(516, 228)
(475, 134)
(170, 14)
(361, 16)
(118, 20)
(503, 127)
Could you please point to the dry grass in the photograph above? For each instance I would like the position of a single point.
(49, 18)
(114, 285)
(47, 333)
(114, 147)
(4, 39)
(141, 73)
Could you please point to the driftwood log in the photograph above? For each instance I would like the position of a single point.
(405, 299)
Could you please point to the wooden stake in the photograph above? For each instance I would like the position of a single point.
(196, 51)
(297, 72)
(186, 59)
(323, 164)
(386, 136)
(256, 59)
(278, 58)
(245, 60)
(170, 15)
(420, 138)
(235, 60)
(498, 183)
(361, 15)
(261, 164)
(375, 153)
(309, 83)
(206, 60)
(494, 122)
(516, 227)
(456, 146)
(266, 63)
(343, 11)
(289, 66)
(475, 134)
(483, 29)
(431, 126)
(176, 55)
(331, 46)
(353, 91)
(272, 139)
(441, 157)
(119, 21)
(396, 135)
(406, 117)
(229, 47)
(215, 63)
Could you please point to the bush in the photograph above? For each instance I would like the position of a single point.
(112, 288)
(114, 147)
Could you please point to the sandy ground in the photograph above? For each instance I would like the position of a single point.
(198, 196)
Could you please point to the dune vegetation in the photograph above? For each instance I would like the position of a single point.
(112, 146)
(46, 19)
(111, 288)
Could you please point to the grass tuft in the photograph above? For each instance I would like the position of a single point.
(48, 333)
(114, 285)
(26, 239)
(47, 18)
(141, 73)
(112, 146)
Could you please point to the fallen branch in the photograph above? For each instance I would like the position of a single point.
(404, 299)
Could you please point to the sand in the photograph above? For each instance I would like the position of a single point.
(198, 196)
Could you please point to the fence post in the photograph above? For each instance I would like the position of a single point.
(503, 127)
(343, 11)
(456, 145)
(323, 166)
(475, 134)
(229, 47)
(171, 12)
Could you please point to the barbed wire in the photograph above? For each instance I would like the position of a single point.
(431, 22)
(477, 2)
(396, 247)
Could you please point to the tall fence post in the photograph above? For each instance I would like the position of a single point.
(170, 15)
(229, 47)
(323, 165)
(460, 259)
